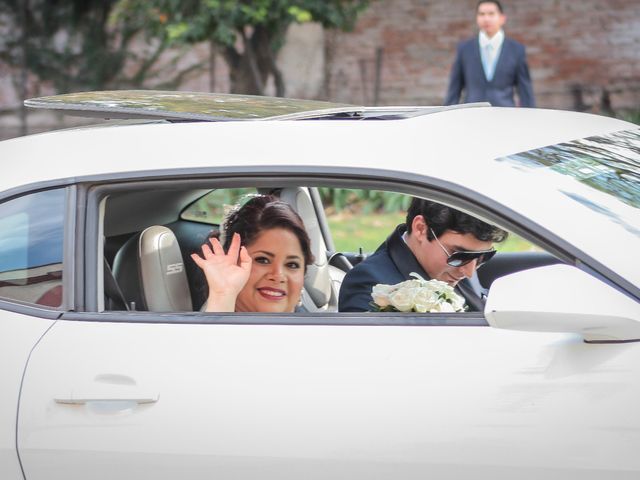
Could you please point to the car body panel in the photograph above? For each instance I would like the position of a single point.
(19, 333)
(348, 401)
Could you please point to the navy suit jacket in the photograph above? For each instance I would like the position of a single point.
(511, 72)
(392, 263)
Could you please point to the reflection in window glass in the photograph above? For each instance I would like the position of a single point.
(213, 207)
(608, 163)
(31, 246)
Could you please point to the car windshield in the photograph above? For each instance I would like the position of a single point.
(602, 175)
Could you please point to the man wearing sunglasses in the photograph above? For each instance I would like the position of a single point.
(435, 242)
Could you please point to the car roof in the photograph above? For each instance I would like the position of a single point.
(452, 144)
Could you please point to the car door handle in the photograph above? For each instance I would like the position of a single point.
(84, 398)
(109, 388)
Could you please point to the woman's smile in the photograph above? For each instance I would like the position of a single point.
(272, 294)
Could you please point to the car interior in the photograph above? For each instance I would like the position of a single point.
(149, 235)
(144, 255)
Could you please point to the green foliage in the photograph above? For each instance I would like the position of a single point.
(191, 21)
(631, 116)
(364, 218)
(350, 231)
(368, 201)
(259, 26)
(300, 15)
(86, 44)
(367, 231)
(64, 42)
(77, 45)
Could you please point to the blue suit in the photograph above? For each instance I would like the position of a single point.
(392, 263)
(511, 72)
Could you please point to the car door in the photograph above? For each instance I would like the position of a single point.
(324, 395)
(144, 395)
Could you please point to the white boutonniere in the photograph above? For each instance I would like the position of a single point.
(417, 295)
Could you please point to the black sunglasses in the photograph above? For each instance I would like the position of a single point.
(460, 258)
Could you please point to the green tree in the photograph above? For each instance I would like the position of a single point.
(76, 45)
(248, 34)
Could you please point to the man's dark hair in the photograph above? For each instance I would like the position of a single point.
(264, 212)
(495, 2)
(441, 218)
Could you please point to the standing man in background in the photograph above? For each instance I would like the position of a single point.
(488, 67)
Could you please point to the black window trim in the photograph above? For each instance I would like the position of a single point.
(384, 319)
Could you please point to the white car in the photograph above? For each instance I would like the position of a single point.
(110, 371)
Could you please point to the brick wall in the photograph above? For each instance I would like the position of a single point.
(579, 51)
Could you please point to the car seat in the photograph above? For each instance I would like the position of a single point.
(322, 281)
(149, 270)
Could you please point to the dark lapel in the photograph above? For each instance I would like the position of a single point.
(477, 59)
(401, 256)
(504, 51)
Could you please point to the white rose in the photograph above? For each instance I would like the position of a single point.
(380, 294)
(402, 299)
(425, 299)
(445, 307)
(457, 302)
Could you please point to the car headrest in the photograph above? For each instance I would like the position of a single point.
(150, 272)
(317, 281)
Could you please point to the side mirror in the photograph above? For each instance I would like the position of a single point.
(562, 298)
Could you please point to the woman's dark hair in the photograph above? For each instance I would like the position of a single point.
(264, 212)
(440, 218)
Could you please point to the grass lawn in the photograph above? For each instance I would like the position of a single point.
(352, 231)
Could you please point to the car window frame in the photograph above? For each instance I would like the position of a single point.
(301, 319)
(70, 286)
(277, 176)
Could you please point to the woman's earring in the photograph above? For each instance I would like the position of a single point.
(299, 304)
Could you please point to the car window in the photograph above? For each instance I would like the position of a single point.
(357, 220)
(362, 219)
(31, 247)
(213, 206)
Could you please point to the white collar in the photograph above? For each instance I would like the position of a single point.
(495, 41)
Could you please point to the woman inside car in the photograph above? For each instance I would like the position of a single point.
(260, 265)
